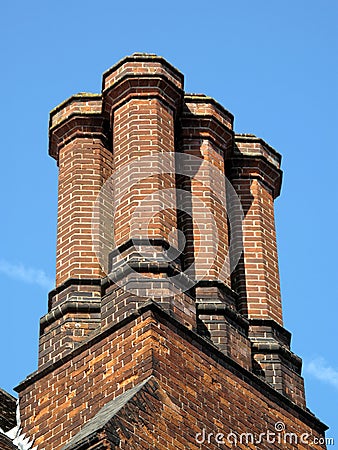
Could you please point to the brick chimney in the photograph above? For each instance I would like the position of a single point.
(166, 318)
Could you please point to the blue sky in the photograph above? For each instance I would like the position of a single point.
(272, 64)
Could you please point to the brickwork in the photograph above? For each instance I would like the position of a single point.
(118, 303)
(75, 312)
(256, 278)
(79, 104)
(166, 319)
(206, 135)
(140, 64)
(143, 128)
(201, 387)
(281, 367)
(84, 164)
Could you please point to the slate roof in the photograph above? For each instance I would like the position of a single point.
(7, 411)
(98, 422)
(6, 443)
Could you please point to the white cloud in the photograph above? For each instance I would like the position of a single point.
(321, 370)
(26, 274)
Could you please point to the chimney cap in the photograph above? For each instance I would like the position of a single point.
(140, 57)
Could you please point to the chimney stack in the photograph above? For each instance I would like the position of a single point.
(167, 282)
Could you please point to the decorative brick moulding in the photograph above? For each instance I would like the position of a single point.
(166, 320)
